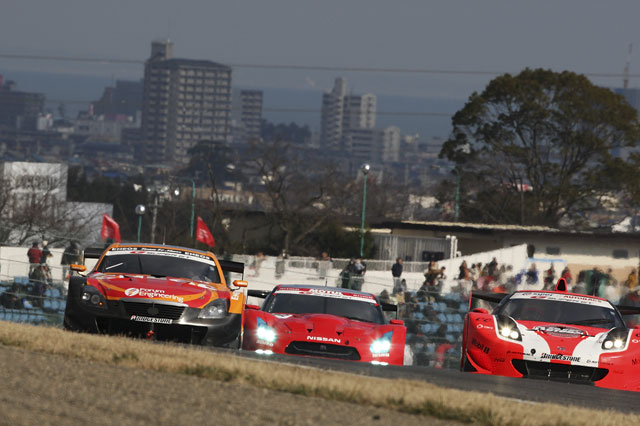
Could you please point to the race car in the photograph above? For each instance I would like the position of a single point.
(553, 335)
(324, 322)
(157, 292)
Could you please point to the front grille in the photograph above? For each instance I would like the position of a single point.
(561, 372)
(323, 349)
(155, 310)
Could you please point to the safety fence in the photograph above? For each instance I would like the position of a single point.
(34, 302)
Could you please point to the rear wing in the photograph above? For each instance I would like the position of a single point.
(231, 266)
(262, 294)
(628, 310)
(93, 252)
(487, 296)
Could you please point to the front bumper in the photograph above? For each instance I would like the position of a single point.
(147, 318)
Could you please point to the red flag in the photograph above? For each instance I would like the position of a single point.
(110, 229)
(203, 234)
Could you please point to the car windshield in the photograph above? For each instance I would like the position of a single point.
(307, 304)
(560, 312)
(159, 266)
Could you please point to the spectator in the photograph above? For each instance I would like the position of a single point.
(532, 274)
(345, 274)
(324, 264)
(34, 254)
(550, 277)
(357, 275)
(70, 255)
(632, 279)
(46, 253)
(39, 279)
(566, 274)
(400, 289)
(280, 263)
(257, 262)
(464, 273)
(396, 272)
(493, 267)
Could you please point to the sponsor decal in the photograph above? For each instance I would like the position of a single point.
(562, 297)
(323, 339)
(560, 331)
(264, 342)
(560, 357)
(235, 296)
(498, 360)
(132, 291)
(326, 293)
(488, 327)
(282, 316)
(635, 361)
(150, 319)
(635, 340)
(153, 293)
(160, 251)
(380, 355)
(484, 348)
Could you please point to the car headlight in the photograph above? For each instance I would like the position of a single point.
(92, 297)
(382, 345)
(216, 309)
(616, 339)
(264, 332)
(508, 328)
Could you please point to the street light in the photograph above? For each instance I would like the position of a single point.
(140, 210)
(365, 169)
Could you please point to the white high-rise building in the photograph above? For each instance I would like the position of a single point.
(185, 101)
(342, 114)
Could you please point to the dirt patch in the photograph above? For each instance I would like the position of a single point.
(46, 389)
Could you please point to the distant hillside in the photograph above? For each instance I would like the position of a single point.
(67, 87)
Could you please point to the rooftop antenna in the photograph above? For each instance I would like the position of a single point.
(627, 64)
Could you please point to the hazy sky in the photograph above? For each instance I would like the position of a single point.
(586, 36)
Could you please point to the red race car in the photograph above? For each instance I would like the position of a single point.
(158, 292)
(553, 335)
(325, 322)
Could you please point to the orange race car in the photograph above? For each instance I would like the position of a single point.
(158, 292)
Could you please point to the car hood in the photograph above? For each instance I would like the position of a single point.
(329, 326)
(562, 342)
(196, 294)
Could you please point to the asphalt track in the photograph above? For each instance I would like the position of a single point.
(532, 390)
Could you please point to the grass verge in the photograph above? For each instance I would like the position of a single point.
(407, 396)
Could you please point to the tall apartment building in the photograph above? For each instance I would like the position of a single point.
(342, 114)
(251, 113)
(19, 110)
(185, 101)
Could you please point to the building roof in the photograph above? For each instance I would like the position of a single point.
(191, 63)
(493, 229)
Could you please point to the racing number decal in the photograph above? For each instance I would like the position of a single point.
(236, 302)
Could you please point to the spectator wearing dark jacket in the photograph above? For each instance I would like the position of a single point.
(396, 272)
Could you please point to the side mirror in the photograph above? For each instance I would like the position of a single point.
(396, 322)
(240, 283)
(254, 307)
(480, 311)
(77, 268)
(636, 327)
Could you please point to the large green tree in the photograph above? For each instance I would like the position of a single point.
(553, 134)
